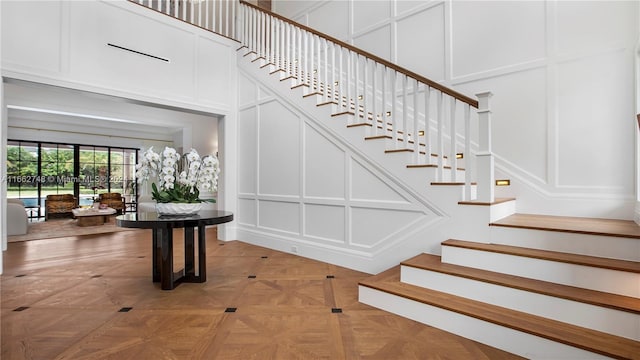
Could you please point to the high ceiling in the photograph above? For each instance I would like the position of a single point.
(43, 107)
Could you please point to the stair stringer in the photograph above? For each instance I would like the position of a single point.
(421, 237)
(395, 164)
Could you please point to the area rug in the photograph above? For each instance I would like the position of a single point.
(56, 228)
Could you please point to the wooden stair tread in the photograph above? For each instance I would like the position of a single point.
(580, 225)
(593, 297)
(577, 259)
(590, 340)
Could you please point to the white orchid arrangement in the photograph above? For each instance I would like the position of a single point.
(180, 178)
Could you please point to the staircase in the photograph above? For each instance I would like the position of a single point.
(542, 287)
(522, 297)
(572, 292)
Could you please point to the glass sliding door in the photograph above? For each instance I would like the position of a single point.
(122, 173)
(23, 180)
(94, 173)
(37, 169)
(56, 169)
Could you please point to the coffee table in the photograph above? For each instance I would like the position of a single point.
(92, 216)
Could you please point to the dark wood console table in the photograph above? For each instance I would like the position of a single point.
(162, 227)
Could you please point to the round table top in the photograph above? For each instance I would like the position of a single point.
(151, 219)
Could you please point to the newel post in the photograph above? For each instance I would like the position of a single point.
(484, 156)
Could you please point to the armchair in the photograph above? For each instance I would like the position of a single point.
(113, 200)
(61, 204)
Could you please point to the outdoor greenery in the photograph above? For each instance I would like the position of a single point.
(57, 169)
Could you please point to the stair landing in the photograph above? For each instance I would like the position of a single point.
(578, 225)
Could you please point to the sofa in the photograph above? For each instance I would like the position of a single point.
(17, 219)
(60, 204)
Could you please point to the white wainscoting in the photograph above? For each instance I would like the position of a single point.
(563, 106)
(66, 43)
(304, 190)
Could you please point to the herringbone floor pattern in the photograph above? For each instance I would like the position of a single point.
(91, 297)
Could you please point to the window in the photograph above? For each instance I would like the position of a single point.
(37, 169)
(22, 171)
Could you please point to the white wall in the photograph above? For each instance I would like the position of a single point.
(68, 45)
(563, 110)
(302, 189)
(63, 80)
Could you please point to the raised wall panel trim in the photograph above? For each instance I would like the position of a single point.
(138, 52)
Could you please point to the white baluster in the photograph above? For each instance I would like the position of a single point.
(394, 111)
(268, 28)
(468, 169)
(405, 114)
(383, 115)
(263, 36)
(305, 78)
(229, 20)
(216, 14)
(185, 5)
(333, 71)
(234, 11)
(312, 59)
(453, 158)
(484, 156)
(248, 17)
(358, 92)
(299, 59)
(365, 91)
(374, 98)
(416, 123)
(192, 8)
(253, 30)
(349, 83)
(427, 124)
(206, 15)
(278, 49)
(289, 48)
(259, 34)
(439, 135)
(274, 41)
(326, 70)
(318, 68)
(341, 99)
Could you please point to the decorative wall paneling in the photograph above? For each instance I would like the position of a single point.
(391, 102)
(543, 61)
(69, 47)
(311, 190)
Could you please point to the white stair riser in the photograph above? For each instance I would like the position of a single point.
(612, 281)
(507, 339)
(599, 318)
(594, 245)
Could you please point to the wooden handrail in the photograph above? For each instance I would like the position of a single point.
(409, 73)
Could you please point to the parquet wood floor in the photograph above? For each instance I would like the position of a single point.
(91, 297)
